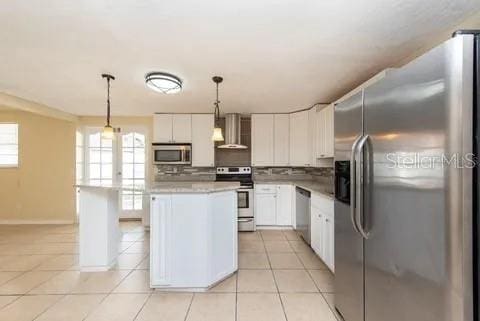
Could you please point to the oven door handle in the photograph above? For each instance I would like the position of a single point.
(244, 220)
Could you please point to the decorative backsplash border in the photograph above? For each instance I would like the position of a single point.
(183, 173)
(324, 174)
(188, 173)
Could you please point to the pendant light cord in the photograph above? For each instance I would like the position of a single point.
(217, 109)
(108, 101)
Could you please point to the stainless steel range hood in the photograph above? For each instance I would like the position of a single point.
(232, 132)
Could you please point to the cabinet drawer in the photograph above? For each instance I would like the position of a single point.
(265, 189)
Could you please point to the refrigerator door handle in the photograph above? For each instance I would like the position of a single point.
(353, 183)
(359, 214)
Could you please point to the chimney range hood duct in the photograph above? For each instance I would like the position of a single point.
(232, 132)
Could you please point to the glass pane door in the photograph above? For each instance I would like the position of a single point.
(132, 150)
(100, 159)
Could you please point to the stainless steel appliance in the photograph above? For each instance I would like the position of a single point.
(405, 191)
(233, 132)
(302, 213)
(174, 154)
(246, 216)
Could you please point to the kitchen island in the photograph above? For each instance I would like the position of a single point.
(193, 231)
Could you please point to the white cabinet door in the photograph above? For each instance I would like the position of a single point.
(312, 135)
(320, 134)
(325, 132)
(203, 149)
(281, 140)
(265, 209)
(262, 140)
(182, 128)
(299, 142)
(162, 128)
(315, 229)
(160, 220)
(284, 205)
(329, 131)
(328, 241)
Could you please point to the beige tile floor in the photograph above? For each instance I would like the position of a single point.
(279, 278)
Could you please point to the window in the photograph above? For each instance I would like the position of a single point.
(133, 168)
(8, 145)
(100, 162)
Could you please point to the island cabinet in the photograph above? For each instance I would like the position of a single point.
(193, 242)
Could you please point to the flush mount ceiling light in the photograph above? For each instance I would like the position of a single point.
(163, 82)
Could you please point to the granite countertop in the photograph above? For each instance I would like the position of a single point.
(312, 186)
(170, 187)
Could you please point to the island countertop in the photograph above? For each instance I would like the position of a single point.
(170, 187)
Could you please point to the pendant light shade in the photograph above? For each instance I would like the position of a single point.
(217, 135)
(108, 131)
(217, 130)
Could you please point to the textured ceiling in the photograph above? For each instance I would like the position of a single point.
(274, 55)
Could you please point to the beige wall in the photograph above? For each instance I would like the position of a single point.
(41, 188)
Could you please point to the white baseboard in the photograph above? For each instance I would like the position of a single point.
(31, 222)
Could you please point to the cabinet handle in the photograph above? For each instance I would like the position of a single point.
(153, 198)
(327, 220)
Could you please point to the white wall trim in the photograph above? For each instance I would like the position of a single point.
(20, 222)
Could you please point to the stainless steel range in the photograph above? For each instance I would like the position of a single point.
(246, 218)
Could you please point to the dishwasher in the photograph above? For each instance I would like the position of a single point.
(302, 213)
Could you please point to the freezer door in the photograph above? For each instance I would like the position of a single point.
(348, 243)
(418, 255)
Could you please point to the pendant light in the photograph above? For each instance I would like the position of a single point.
(217, 130)
(108, 131)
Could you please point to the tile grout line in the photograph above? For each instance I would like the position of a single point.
(189, 306)
(143, 305)
(276, 285)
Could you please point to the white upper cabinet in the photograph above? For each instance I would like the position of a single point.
(312, 135)
(162, 128)
(172, 128)
(182, 128)
(325, 132)
(299, 139)
(281, 140)
(203, 148)
(262, 139)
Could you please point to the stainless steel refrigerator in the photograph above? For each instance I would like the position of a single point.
(406, 192)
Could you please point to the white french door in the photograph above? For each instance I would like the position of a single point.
(118, 160)
(132, 170)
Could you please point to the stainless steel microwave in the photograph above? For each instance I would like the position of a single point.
(174, 154)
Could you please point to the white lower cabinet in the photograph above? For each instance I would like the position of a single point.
(273, 204)
(322, 229)
(193, 241)
(265, 209)
(284, 205)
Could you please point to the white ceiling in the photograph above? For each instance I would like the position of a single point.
(274, 55)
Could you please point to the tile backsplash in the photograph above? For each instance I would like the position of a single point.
(183, 173)
(323, 175)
